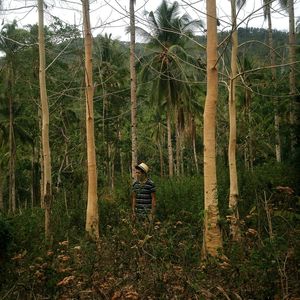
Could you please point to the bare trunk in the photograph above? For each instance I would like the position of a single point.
(292, 76)
(12, 146)
(34, 189)
(275, 101)
(194, 144)
(41, 161)
(195, 155)
(212, 239)
(92, 217)
(133, 82)
(12, 155)
(234, 193)
(47, 186)
(178, 141)
(170, 148)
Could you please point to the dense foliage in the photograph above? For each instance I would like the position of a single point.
(160, 259)
(145, 260)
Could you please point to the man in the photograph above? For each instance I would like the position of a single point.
(143, 193)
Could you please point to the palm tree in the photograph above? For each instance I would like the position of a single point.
(165, 64)
(112, 74)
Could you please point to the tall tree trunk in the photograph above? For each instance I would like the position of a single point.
(12, 149)
(169, 134)
(194, 145)
(292, 74)
(92, 217)
(133, 82)
(212, 239)
(170, 148)
(195, 155)
(177, 150)
(234, 192)
(120, 151)
(41, 160)
(273, 72)
(33, 189)
(47, 186)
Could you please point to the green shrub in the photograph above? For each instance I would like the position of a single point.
(5, 235)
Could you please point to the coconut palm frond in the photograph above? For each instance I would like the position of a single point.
(283, 4)
(145, 35)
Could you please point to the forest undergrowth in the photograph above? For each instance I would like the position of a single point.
(159, 259)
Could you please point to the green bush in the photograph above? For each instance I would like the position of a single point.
(179, 198)
(5, 235)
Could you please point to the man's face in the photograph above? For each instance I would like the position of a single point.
(139, 174)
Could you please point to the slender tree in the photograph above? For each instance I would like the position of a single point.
(133, 83)
(212, 239)
(292, 74)
(288, 5)
(234, 192)
(92, 217)
(47, 186)
(267, 15)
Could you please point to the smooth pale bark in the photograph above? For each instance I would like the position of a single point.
(92, 217)
(133, 98)
(292, 74)
(212, 239)
(273, 72)
(194, 144)
(47, 184)
(195, 155)
(234, 192)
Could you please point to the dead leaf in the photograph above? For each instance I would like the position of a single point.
(67, 280)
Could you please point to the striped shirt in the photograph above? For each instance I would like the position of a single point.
(143, 193)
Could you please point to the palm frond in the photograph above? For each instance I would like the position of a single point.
(283, 4)
(145, 35)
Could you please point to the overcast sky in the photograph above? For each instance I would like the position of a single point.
(111, 16)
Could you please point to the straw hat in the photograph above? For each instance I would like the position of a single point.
(143, 167)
